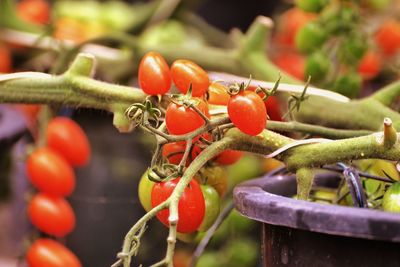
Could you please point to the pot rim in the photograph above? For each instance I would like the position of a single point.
(253, 200)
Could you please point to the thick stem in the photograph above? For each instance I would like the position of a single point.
(388, 94)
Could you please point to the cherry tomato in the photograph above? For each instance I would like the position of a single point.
(370, 65)
(317, 66)
(272, 105)
(154, 74)
(291, 62)
(50, 173)
(174, 152)
(391, 199)
(310, 37)
(5, 59)
(228, 157)
(289, 24)
(212, 207)
(35, 11)
(218, 94)
(191, 207)
(348, 84)
(312, 5)
(185, 73)
(51, 215)
(145, 188)
(388, 37)
(247, 112)
(67, 138)
(215, 176)
(181, 120)
(70, 29)
(182, 258)
(46, 252)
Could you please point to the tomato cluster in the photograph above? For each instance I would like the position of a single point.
(50, 170)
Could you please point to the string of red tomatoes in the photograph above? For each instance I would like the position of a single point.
(50, 171)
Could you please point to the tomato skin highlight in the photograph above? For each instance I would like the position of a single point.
(67, 138)
(185, 73)
(35, 11)
(50, 173)
(388, 37)
(191, 207)
(51, 215)
(247, 112)
(154, 74)
(46, 252)
(181, 120)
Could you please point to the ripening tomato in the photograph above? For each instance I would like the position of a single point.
(228, 157)
(5, 59)
(247, 112)
(181, 120)
(216, 176)
(191, 207)
(145, 188)
(310, 37)
(46, 252)
(218, 94)
(154, 74)
(369, 65)
(289, 24)
(69, 29)
(50, 173)
(51, 215)
(388, 37)
(35, 11)
(291, 62)
(212, 207)
(67, 138)
(185, 73)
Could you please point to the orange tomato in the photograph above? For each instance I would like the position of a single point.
(388, 37)
(370, 65)
(35, 11)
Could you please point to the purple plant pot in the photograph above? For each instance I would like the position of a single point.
(301, 233)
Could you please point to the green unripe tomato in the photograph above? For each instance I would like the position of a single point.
(311, 5)
(216, 176)
(145, 187)
(213, 205)
(209, 259)
(348, 84)
(317, 66)
(241, 252)
(352, 50)
(310, 37)
(391, 199)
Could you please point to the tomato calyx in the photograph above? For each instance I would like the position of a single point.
(140, 113)
(237, 88)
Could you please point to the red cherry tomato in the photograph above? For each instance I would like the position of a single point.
(291, 62)
(67, 138)
(370, 65)
(185, 73)
(191, 207)
(35, 11)
(154, 74)
(50, 173)
(289, 24)
(388, 37)
(46, 252)
(247, 112)
(182, 120)
(272, 105)
(5, 59)
(218, 94)
(174, 152)
(228, 157)
(51, 215)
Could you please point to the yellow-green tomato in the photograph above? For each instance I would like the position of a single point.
(216, 176)
(391, 199)
(145, 187)
(213, 206)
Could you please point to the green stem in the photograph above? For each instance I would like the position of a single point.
(388, 94)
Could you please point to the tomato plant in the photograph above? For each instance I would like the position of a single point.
(145, 188)
(50, 173)
(370, 65)
(67, 137)
(218, 94)
(191, 207)
(181, 119)
(215, 176)
(186, 73)
(309, 37)
(36, 11)
(154, 74)
(247, 112)
(388, 37)
(212, 207)
(174, 152)
(51, 215)
(317, 66)
(46, 252)
(5, 59)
